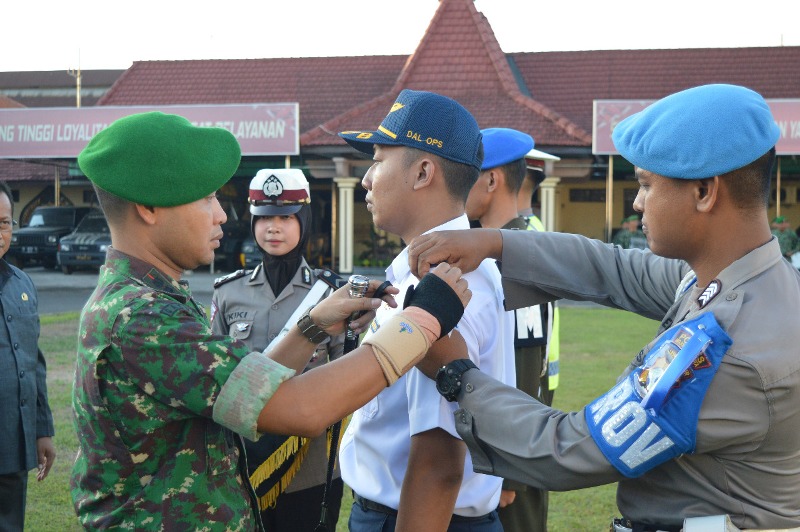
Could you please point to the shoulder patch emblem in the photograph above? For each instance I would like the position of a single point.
(219, 281)
(711, 291)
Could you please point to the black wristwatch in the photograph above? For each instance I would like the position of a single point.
(311, 330)
(448, 378)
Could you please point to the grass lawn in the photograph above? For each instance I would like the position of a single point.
(596, 344)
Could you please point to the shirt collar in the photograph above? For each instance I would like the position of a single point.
(145, 273)
(399, 267)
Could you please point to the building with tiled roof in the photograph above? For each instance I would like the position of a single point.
(56, 88)
(547, 94)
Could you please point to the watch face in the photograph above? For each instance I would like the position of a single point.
(447, 383)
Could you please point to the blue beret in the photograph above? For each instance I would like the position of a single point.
(159, 159)
(698, 133)
(502, 145)
(426, 121)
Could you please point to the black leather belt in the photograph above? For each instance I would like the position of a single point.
(378, 507)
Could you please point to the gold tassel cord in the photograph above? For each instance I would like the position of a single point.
(276, 459)
(269, 499)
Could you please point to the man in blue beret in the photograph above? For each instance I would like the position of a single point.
(401, 454)
(161, 403)
(705, 421)
(493, 203)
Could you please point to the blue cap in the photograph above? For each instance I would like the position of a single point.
(698, 133)
(502, 145)
(426, 121)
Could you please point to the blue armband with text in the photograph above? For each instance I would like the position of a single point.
(651, 415)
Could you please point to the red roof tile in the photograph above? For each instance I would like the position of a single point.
(451, 61)
(323, 86)
(570, 81)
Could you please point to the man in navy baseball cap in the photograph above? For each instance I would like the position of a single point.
(426, 121)
(427, 155)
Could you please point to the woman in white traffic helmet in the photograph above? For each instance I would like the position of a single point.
(288, 473)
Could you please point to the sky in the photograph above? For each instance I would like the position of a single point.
(94, 34)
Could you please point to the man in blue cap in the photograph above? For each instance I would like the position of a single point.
(401, 454)
(493, 202)
(705, 421)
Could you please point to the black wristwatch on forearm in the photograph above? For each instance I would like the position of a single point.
(448, 378)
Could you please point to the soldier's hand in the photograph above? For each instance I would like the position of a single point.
(463, 248)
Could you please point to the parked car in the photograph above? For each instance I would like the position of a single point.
(37, 242)
(85, 248)
(251, 255)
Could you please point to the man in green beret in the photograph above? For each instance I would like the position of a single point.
(787, 238)
(630, 236)
(161, 402)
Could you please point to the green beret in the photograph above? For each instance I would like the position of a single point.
(160, 160)
(779, 220)
(631, 218)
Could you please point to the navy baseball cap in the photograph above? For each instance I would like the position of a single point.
(426, 121)
(502, 145)
(699, 132)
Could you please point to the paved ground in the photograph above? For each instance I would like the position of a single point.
(65, 293)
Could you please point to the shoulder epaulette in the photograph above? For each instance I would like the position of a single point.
(332, 279)
(219, 281)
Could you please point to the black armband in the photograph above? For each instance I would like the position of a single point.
(436, 297)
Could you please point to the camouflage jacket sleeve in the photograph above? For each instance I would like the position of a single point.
(171, 354)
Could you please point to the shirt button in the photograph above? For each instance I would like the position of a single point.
(469, 387)
(274, 307)
(731, 297)
(21, 374)
(9, 318)
(16, 345)
(22, 403)
(464, 418)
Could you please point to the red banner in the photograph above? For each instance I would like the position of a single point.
(261, 129)
(608, 113)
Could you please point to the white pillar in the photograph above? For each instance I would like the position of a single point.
(547, 198)
(345, 206)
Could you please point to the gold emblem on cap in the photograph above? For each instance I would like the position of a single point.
(387, 132)
(364, 135)
(396, 107)
(24, 296)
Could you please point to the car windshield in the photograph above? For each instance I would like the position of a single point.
(51, 217)
(92, 224)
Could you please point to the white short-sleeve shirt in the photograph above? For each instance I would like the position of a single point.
(375, 447)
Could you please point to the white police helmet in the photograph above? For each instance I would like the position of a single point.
(277, 192)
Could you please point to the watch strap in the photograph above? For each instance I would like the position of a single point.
(310, 330)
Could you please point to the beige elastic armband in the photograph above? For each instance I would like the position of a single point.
(398, 345)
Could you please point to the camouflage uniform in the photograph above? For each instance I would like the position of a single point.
(158, 402)
(630, 239)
